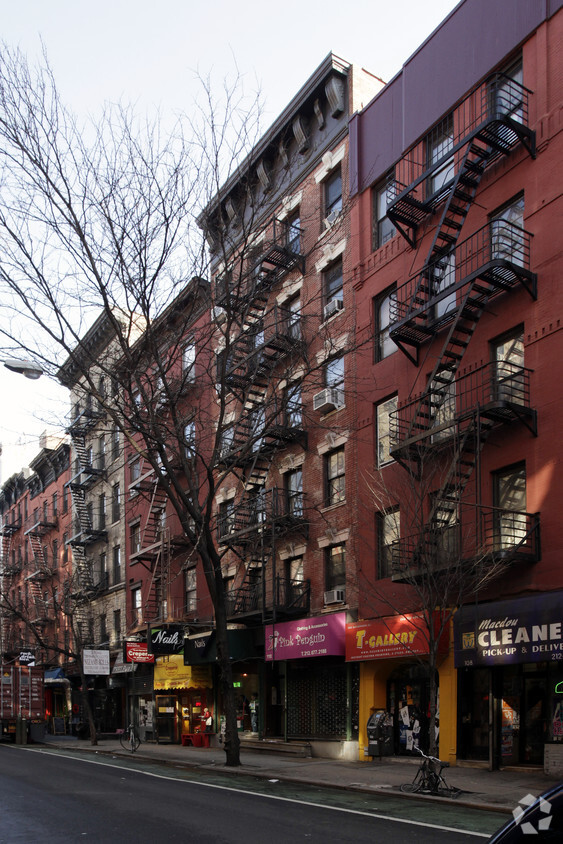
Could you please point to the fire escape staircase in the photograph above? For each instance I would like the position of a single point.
(496, 135)
(154, 551)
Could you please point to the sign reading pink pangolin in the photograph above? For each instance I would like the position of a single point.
(306, 637)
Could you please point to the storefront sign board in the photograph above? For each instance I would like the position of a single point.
(95, 662)
(521, 630)
(171, 673)
(394, 636)
(137, 652)
(306, 637)
(166, 639)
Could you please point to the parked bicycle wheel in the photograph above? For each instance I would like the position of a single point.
(135, 741)
(411, 787)
(125, 741)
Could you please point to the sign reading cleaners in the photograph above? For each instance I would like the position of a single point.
(166, 639)
(523, 630)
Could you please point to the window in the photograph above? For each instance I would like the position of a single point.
(227, 437)
(439, 156)
(55, 553)
(103, 570)
(136, 604)
(294, 578)
(226, 518)
(443, 271)
(445, 540)
(507, 233)
(191, 590)
(335, 477)
(333, 195)
(333, 289)
(188, 361)
(55, 505)
(134, 474)
(189, 439)
(115, 503)
(102, 512)
(383, 228)
(384, 345)
(334, 372)
(135, 538)
(293, 233)
(115, 443)
(442, 405)
(507, 93)
(509, 489)
(116, 626)
(117, 575)
(294, 408)
(103, 630)
(335, 574)
(508, 360)
(293, 315)
(383, 438)
(294, 492)
(388, 532)
(65, 548)
(102, 453)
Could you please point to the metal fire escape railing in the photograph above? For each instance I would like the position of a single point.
(475, 536)
(487, 124)
(267, 335)
(456, 289)
(456, 283)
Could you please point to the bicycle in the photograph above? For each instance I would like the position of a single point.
(129, 739)
(429, 778)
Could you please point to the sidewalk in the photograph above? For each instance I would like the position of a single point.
(495, 791)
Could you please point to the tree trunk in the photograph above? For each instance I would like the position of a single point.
(232, 741)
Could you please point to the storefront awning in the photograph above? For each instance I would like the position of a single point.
(201, 649)
(521, 630)
(171, 673)
(56, 676)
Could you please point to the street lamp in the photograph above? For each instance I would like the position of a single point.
(24, 367)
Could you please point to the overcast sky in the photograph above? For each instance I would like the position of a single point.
(151, 52)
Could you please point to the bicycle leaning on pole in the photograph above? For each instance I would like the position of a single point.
(429, 778)
(129, 739)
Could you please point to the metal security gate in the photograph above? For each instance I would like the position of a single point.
(317, 701)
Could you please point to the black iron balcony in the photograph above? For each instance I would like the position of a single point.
(475, 536)
(283, 597)
(262, 346)
(494, 259)
(279, 249)
(86, 535)
(41, 522)
(272, 509)
(9, 528)
(494, 113)
(82, 421)
(274, 425)
(499, 391)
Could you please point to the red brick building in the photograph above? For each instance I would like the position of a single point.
(456, 260)
(36, 526)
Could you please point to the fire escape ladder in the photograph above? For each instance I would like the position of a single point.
(458, 202)
(157, 589)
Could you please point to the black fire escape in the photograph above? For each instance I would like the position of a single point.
(457, 409)
(86, 533)
(42, 522)
(267, 336)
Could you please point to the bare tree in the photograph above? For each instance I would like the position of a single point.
(437, 549)
(110, 223)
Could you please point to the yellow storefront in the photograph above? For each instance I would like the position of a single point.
(394, 678)
(182, 693)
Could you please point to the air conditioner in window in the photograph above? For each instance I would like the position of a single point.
(334, 596)
(333, 307)
(331, 219)
(218, 314)
(329, 399)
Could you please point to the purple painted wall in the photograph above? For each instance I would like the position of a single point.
(468, 44)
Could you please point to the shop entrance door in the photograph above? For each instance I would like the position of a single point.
(534, 720)
(166, 718)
